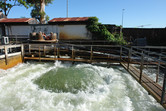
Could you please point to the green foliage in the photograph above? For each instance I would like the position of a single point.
(100, 32)
(42, 14)
(93, 21)
(7, 5)
(47, 18)
(36, 11)
(34, 2)
(119, 39)
(94, 28)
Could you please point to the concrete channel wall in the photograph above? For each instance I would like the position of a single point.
(12, 61)
(11, 55)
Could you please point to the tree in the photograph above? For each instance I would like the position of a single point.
(6, 6)
(100, 32)
(38, 10)
(35, 12)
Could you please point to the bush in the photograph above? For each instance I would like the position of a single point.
(100, 32)
(119, 39)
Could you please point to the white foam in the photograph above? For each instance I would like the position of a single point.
(116, 91)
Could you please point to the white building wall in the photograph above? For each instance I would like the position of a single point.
(63, 31)
(18, 30)
(25, 30)
(73, 32)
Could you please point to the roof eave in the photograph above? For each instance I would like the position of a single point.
(15, 23)
(68, 23)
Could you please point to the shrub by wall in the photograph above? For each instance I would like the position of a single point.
(100, 32)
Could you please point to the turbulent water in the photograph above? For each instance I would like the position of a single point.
(66, 87)
(151, 72)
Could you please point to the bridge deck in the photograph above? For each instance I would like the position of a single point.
(152, 87)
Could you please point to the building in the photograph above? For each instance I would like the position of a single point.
(71, 28)
(66, 28)
(16, 26)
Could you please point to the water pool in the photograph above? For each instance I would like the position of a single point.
(66, 87)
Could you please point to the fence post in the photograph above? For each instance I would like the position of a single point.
(54, 52)
(121, 53)
(163, 89)
(39, 55)
(72, 52)
(158, 69)
(129, 56)
(6, 54)
(141, 66)
(91, 55)
(29, 49)
(58, 52)
(22, 52)
(44, 50)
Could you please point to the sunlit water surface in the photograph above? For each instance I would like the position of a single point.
(66, 87)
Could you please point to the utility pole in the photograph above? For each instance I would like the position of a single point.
(121, 28)
(122, 15)
(67, 9)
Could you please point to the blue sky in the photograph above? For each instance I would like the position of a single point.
(150, 13)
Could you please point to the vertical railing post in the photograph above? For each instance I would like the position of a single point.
(120, 53)
(44, 50)
(58, 52)
(148, 58)
(141, 66)
(163, 89)
(158, 69)
(91, 55)
(129, 57)
(108, 56)
(6, 54)
(22, 52)
(54, 52)
(29, 49)
(39, 55)
(72, 53)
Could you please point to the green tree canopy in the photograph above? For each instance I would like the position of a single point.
(38, 10)
(7, 5)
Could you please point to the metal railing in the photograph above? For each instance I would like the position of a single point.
(146, 58)
(142, 57)
(88, 53)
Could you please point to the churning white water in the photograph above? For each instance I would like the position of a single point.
(66, 87)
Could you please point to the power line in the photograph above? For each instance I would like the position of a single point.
(144, 25)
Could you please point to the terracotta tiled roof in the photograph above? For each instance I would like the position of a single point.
(72, 19)
(15, 20)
